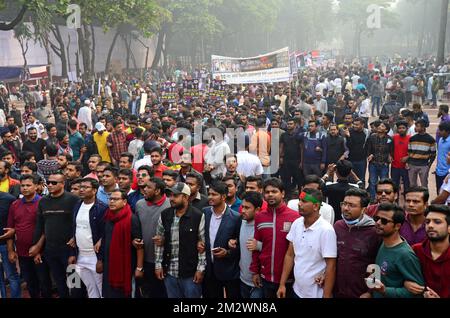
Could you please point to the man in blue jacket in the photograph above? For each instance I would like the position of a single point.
(88, 228)
(314, 150)
(222, 264)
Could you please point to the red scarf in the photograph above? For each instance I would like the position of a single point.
(120, 250)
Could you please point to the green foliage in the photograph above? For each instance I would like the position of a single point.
(143, 15)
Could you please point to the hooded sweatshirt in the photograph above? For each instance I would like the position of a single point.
(357, 248)
(435, 272)
(271, 228)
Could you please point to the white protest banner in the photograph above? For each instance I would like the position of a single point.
(144, 98)
(268, 68)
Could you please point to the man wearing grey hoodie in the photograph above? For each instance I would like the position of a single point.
(358, 245)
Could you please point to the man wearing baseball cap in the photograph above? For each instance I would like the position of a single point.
(178, 262)
(100, 138)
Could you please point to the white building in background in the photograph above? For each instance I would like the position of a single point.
(11, 54)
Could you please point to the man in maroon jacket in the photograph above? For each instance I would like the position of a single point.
(271, 228)
(358, 245)
(434, 255)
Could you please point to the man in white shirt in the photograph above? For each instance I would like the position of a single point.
(32, 122)
(248, 164)
(320, 104)
(88, 237)
(355, 79)
(364, 108)
(147, 160)
(312, 251)
(326, 210)
(321, 86)
(85, 114)
(215, 157)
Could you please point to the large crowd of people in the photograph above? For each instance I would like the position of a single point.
(314, 188)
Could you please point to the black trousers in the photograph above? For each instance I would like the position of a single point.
(214, 288)
(291, 176)
(150, 286)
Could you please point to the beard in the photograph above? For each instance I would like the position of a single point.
(177, 206)
(439, 238)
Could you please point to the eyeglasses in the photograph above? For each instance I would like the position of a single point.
(384, 221)
(53, 182)
(115, 199)
(350, 205)
(143, 175)
(388, 192)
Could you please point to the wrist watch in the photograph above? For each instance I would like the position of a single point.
(140, 269)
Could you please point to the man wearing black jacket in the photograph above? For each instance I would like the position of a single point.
(221, 225)
(357, 151)
(195, 181)
(88, 228)
(89, 149)
(178, 262)
(54, 230)
(336, 147)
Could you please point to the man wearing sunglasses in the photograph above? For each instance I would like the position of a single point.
(54, 230)
(386, 192)
(396, 259)
(144, 174)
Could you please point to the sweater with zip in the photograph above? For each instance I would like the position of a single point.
(271, 228)
(357, 248)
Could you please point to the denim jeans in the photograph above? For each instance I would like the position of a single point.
(248, 292)
(360, 167)
(57, 262)
(434, 95)
(37, 277)
(376, 102)
(182, 287)
(439, 182)
(11, 274)
(377, 172)
(398, 174)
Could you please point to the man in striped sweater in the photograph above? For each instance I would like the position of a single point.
(421, 155)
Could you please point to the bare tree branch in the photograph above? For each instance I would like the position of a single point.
(9, 26)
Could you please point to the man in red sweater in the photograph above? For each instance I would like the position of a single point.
(401, 141)
(271, 228)
(434, 255)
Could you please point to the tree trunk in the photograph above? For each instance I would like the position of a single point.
(159, 47)
(146, 57)
(69, 66)
(442, 32)
(78, 68)
(422, 31)
(93, 50)
(125, 40)
(83, 42)
(10, 26)
(24, 48)
(60, 49)
(111, 49)
(47, 52)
